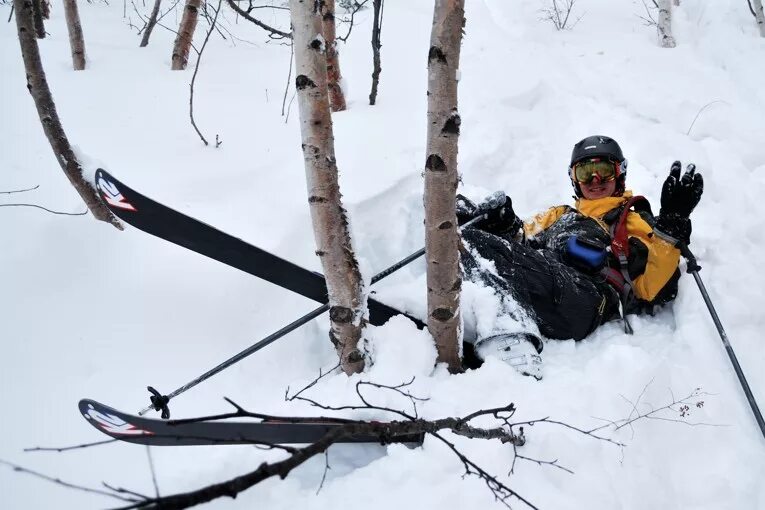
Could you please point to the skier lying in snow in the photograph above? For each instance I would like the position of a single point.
(562, 269)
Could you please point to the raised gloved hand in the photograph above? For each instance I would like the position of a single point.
(498, 208)
(500, 217)
(679, 196)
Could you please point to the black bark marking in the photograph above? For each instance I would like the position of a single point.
(452, 124)
(355, 356)
(436, 53)
(303, 82)
(316, 44)
(457, 285)
(340, 314)
(442, 314)
(320, 253)
(445, 225)
(316, 200)
(435, 163)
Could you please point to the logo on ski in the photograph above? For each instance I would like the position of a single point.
(111, 194)
(114, 425)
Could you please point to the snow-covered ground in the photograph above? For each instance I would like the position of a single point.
(87, 311)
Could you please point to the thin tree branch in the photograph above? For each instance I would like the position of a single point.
(67, 448)
(58, 481)
(274, 33)
(152, 471)
(701, 110)
(356, 8)
(289, 76)
(194, 77)
(19, 190)
(45, 209)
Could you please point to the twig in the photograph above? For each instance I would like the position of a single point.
(501, 491)
(289, 76)
(194, 77)
(152, 471)
(311, 384)
(324, 475)
(701, 110)
(45, 209)
(553, 463)
(356, 8)
(67, 448)
(122, 490)
(273, 32)
(19, 190)
(58, 481)
(289, 106)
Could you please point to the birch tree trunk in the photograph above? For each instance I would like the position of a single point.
(376, 67)
(37, 16)
(46, 109)
(336, 97)
(664, 25)
(330, 224)
(441, 230)
(186, 29)
(151, 24)
(45, 8)
(76, 40)
(759, 16)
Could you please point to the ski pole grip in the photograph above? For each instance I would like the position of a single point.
(690, 258)
(159, 402)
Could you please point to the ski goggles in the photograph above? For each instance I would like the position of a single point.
(585, 171)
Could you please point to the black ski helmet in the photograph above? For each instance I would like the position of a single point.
(598, 146)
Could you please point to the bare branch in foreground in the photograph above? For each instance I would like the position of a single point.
(19, 190)
(58, 481)
(505, 430)
(83, 213)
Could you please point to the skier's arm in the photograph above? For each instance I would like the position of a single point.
(542, 221)
(661, 258)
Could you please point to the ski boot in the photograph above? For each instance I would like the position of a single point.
(520, 350)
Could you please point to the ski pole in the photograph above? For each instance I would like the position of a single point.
(693, 268)
(159, 402)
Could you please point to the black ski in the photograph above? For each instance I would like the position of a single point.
(170, 225)
(147, 431)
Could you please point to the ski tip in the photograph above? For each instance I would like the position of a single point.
(110, 421)
(111, 192)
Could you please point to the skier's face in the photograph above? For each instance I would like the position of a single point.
(597, 189)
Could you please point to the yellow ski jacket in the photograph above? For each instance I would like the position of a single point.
(661, 260)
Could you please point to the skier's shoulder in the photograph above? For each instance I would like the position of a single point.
(544, 219)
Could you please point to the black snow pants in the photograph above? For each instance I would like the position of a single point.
(563, 302)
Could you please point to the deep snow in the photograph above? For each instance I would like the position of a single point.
(87, 311)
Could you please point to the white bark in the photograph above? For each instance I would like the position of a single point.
(334, 76)
(759, 16)
(76, 40)
(664, 26)
(441, 230)
(330, 224)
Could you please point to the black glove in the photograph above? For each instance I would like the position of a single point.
(500, 217)
(679, 196)
(466, 209)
